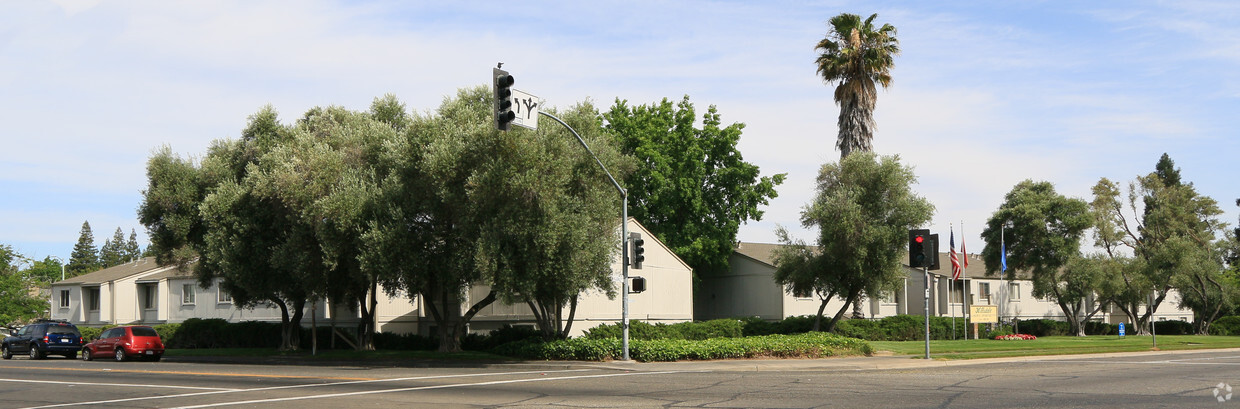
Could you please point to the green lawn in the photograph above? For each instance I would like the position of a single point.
(987, 348)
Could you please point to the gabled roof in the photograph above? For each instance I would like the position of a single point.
(764, 252)
(647, 235)
(113, 273)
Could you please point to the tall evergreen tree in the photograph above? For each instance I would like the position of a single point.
(85, 257)
(132, 250)
(112, 252)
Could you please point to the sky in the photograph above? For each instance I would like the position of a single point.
(984, 94)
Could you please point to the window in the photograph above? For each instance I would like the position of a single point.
(889, 298)
(983, 293)
(149, 296)
(187, 294)
(64, 298)
(1013, 291)
(222, 296)
(92, 299)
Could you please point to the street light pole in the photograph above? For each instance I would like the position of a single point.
(624, 234)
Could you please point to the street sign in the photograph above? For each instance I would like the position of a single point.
(1121, 329)
(525, 105)
(984, 313)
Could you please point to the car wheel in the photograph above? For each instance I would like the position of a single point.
(86, 355)
(34, 352)
(120, 354)
(5, 352)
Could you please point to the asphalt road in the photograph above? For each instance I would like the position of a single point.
(1154, 379)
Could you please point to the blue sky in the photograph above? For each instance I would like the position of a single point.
(985, 94)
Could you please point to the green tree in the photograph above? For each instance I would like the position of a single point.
(44, 272)
(16, 302)
(552, 230)
(131, 250)
(211, 216)
(85, 258)
(863, 210)
(112, 253)
(692, 188)
(859, 57)
(1173, 216)
(1043, 233)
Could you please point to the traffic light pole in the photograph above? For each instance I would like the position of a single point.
(624, 235)
(925, 271)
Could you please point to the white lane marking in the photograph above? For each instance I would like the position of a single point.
(120, 384)
(300, 386)
(422, 388)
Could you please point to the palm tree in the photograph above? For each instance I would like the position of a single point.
(857, 56)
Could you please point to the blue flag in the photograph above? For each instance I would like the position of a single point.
(1003, 256)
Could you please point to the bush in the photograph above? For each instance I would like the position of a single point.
(503, 335)
(1229, 325)
(1044, 327)
(1100, 328)
(638, 330)
(1176, 327)
(809, 345)
(404, 342)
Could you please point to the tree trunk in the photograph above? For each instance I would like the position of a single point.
(852, 296)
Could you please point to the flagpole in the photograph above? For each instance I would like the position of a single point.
(964, 288)
(951, 287)
(1002, 259)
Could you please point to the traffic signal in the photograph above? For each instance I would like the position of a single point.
(639, 249)
(932, 252)
(918, 246)
(503, 99)
(639, 285)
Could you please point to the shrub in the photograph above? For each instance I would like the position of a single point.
(1229, 325)
(809, 345)
(1044, 327)
(638, 330)
(503, 335)
(405, 342)
(1176, 327)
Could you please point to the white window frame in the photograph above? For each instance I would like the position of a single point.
(187, 294)
(222, 296)
(64, 298)
(1013, 291)
(983, 293)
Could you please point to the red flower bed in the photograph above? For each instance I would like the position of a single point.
(1016, 337)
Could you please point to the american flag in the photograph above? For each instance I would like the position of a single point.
(963, 253)
(956, 269)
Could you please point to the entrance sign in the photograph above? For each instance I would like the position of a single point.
(985, 314)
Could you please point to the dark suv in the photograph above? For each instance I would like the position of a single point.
(42, 338)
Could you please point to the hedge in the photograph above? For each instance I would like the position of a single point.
(808, 345)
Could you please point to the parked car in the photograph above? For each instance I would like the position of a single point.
(43, 338)
(123, 343)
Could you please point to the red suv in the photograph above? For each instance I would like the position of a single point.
(127, 342)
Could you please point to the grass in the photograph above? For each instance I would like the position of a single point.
(1059, 345)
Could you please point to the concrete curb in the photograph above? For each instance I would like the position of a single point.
(739, 365)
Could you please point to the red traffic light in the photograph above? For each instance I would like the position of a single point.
(919, 239)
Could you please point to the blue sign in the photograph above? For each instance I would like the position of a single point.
(1121, 329)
